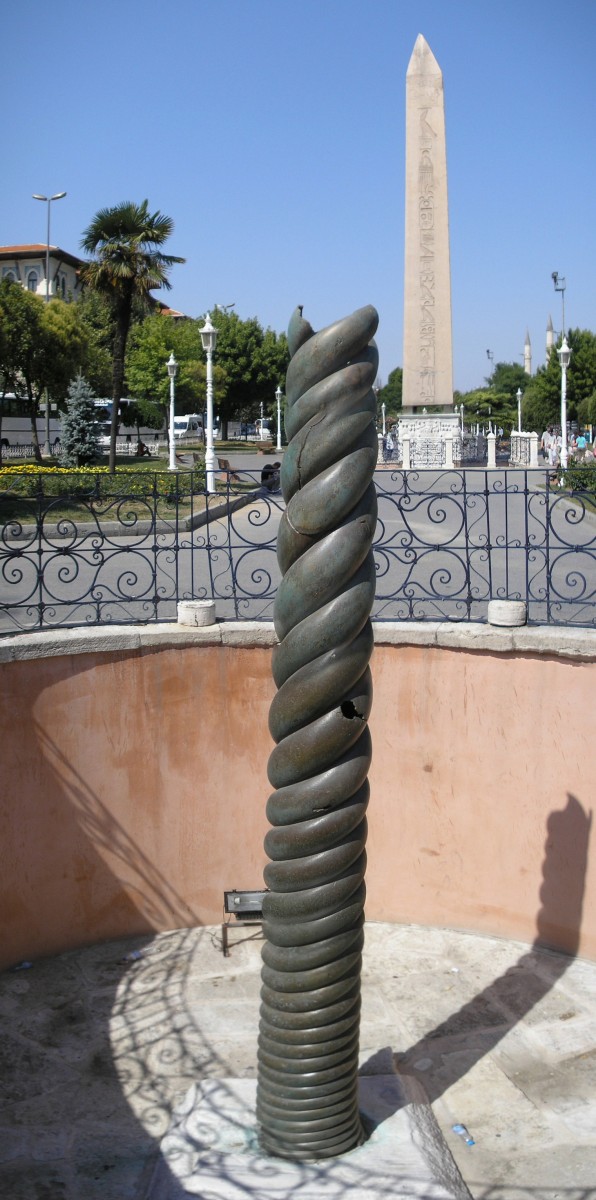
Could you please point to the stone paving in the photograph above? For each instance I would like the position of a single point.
(99, 1045)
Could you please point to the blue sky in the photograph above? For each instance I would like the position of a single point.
(272, 132)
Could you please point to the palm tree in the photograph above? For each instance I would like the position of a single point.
(129, 263)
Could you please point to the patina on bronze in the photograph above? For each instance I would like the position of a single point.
(307, 1097)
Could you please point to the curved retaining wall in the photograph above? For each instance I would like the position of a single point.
(134, 780)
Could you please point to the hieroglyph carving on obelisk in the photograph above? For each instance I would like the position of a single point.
(427, 353)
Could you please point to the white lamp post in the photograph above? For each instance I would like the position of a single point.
(564, 354)
(278, 395)
(461, 417)
(519, 400)
(48, 200)
(209, 339)
(172, 366)
(383, 416)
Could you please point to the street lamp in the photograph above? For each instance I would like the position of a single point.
(560, 286)
(172, 366)
(48, 200)
(209, 339)
(461, 414)
(519, 400)
(278, 396)
(383, 416)
(564, 354)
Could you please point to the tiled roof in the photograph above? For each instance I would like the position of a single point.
(35, 249)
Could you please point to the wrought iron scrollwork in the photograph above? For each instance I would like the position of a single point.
(307, 1103)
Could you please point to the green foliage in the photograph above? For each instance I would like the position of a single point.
(97, 321)
(79, 437)
(42, 347)
(98, 483)
(507, 378)
(391, 394)
(538, 411)
(484, 405)
(579, 477)
(254, 362)
(146, 373)
(542, 401)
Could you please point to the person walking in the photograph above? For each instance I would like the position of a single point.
(580, 447)
(547, 439)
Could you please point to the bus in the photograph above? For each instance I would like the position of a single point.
(15, 434)
(127, 431)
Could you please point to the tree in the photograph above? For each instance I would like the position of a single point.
(129, 263)
(79, 437)
(147, 378)
(507, 378)
(483, 405)
(254, 363)
(391, 394)
(43, 346)
(542, 400)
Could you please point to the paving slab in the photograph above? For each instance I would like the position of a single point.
(99, 1048)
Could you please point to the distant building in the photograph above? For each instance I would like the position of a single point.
(528, 354)
(550, 337)
(27, 265)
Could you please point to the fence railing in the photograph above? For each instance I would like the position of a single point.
(121, 550)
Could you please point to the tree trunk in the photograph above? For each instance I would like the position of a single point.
(122, 314)
(34, 434)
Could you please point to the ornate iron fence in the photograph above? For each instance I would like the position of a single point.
(122, 550)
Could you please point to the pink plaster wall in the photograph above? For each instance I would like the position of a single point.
(134, 787)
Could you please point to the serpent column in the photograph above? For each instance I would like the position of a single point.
(307, 1093)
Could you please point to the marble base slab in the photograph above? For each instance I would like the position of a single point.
(211, 1151)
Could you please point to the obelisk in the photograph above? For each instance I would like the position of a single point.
(427, 353)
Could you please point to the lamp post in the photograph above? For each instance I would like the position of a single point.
(209, 339)
(383, 416)
(172, 366)
(461, 416)
(564, 354)
(48, 200)
(519, 400)
(560, 285)
(278, 395)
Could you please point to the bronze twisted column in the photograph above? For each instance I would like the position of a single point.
(307, 1094)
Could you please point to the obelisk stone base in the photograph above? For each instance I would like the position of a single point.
(431, 440)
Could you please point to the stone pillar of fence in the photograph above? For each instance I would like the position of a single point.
(406, 453)
(491, 442)
(448, 452)
(533, 449)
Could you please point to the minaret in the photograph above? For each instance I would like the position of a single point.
(550, 337)
(528, 354)
(427, 354)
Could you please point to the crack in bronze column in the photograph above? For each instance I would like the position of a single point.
(307, 1093)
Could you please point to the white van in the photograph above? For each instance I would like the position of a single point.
(188, 426)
